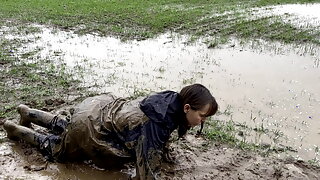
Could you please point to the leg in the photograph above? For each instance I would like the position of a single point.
(41, 118)
(35, 116)
(45, 143)
(20, 132)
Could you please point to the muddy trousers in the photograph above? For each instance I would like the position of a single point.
(50, 121)
(45, 142)
(48, 142)
(55, 124)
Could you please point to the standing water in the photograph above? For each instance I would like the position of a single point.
(264, 86)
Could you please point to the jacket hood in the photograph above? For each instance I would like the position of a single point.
(164, 108)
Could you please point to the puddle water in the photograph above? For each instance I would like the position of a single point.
(304, 16)
(301, 10)
(275, 89)
(271, 86)
(16, 162)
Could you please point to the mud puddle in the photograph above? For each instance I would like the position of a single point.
(20, 161)
(301, 10)
(266, 87)
(271, 88)
(304, 16)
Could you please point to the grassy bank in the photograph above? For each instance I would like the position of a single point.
(218, 19)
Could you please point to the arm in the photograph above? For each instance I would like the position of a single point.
(149, 150)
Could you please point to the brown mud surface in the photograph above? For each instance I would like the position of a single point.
(279, 93)
(220, 162)
(193, 158)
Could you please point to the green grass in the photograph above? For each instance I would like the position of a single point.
(228, 133)
(25, 79)
(140, 19)
(139, 92)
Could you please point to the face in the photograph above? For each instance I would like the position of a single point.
(195, 117)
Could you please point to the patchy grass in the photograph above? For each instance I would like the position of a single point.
(229, 133)
(31, 81)
(139, 19)
(139, 92)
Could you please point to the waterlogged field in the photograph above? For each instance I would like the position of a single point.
(260, 60)
(263, 88)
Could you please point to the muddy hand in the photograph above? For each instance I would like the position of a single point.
(2, 121)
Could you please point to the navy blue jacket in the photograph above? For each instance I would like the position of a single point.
(165, 113)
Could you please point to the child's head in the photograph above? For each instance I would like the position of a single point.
(198, 103)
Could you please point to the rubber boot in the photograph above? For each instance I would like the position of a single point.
(45, 119)
(17, 132)
(35, 116)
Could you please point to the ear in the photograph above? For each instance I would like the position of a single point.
(186, 108)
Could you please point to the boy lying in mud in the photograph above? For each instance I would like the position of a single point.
(112, 131)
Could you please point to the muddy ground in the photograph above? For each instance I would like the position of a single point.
(279, 98)
(193, 158)
(220, 162)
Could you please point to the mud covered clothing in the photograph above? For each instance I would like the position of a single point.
(165, 113)
(111, 131)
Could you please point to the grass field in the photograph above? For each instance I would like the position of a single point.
(142, 19)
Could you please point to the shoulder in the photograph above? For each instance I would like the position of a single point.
(159, 101)
(162, 107)
(160, 96)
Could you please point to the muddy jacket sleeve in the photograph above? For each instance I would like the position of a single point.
(149, 150)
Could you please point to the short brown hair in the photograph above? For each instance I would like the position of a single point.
(197, 96)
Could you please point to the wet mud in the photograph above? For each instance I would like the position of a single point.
(198, 160)
(270, 88)
(193, 158)
(21, 161)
